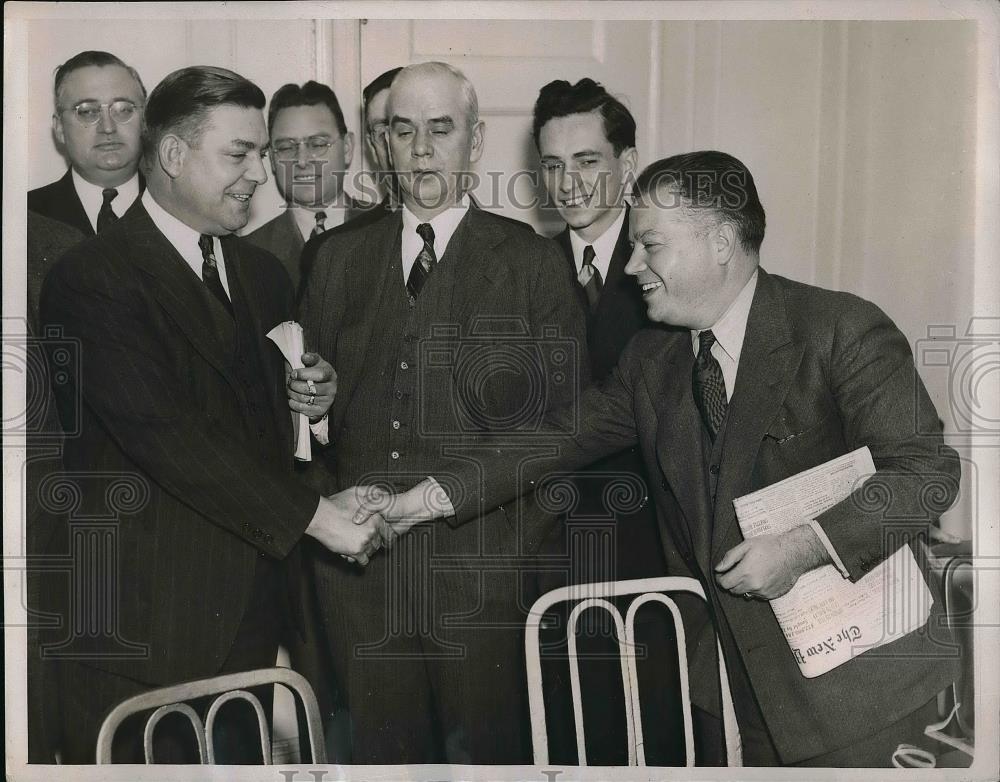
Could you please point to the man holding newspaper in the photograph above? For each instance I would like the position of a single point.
(771, 378)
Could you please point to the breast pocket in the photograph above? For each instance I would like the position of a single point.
(794, 443)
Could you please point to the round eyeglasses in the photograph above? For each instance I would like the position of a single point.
(287, 149)
(89, 111)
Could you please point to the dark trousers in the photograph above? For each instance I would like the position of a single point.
(87, 694)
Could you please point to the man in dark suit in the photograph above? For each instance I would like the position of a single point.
(769, 378)
(382, 186)
(311, 150)
(586, 144)
(185, 437)
(97, 121)
(417, 313)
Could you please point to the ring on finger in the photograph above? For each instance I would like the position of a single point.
(312, 387)
(311, 399)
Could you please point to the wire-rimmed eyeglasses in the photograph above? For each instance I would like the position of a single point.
(287, 149)
(88, 112)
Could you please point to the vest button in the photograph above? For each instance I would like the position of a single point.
(714, 469)
(395, 424)
(394, 454)
(404, 365)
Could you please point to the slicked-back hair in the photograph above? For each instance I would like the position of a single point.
(378, 84)
(180, 103)
(559, 98)
(436, 68)
(91, 57)
(312, 93)
(712, 181)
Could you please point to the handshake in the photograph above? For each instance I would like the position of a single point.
(358, 521)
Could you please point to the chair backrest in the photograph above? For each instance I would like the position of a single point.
(233, 686)
(599, 596)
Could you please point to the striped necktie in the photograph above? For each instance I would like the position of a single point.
(210, 272)
(709, 385)
(424, 264)
(590, 278)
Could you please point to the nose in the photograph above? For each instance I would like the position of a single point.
(106, 125)
(301, 157)
(636, 261)
(422, 143)
(256, 171)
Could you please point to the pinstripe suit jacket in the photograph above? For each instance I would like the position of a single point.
(174, 450)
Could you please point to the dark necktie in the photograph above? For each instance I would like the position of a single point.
(590, 278)
(320, 224)
(210, 272)
(107, 217)
(708, 385)
(424, 263)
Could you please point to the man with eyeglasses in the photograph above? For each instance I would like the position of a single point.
(311, 150)
(97, 121)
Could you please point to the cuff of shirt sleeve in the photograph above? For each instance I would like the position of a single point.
(818, 529)
(321, 430)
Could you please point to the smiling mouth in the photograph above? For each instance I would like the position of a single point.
(648, 287)
(243, 198)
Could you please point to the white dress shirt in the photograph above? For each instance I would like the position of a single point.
(444, 225)
(92, 196)
(729, 331)
(604, 246)
(184, 239)
(305, 218)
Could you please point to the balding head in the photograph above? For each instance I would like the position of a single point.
(435, 135)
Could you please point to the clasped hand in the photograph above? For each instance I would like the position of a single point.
(312, 388)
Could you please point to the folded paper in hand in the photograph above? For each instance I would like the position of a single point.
(826, 619)
(288, 337)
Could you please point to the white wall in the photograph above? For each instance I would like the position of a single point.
(861, 135)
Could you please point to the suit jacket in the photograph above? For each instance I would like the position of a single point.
(59, 201)
(620, 312)
(184, 451)
(504, 271)
(821, 374)
(282, 238)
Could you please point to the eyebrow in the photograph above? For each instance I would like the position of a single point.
(586, 153)
(243, 144)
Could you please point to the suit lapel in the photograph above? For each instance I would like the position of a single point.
(616, 271)
(176, 288)
(482, 271)
(70, 207)
(365, 277)
(768, 364)
(678, 436)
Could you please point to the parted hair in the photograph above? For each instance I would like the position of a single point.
(180, 103)
(708, 182)
(381, 82)
(559, 98)
(312, 93)
(86, 59)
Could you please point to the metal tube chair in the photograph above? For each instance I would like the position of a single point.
(234, 686)
(596, 595)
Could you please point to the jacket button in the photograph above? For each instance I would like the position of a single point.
(714, 469)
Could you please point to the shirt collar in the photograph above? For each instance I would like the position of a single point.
(731, 328)
(92, 196)
(305, 217)
(184, 238)
(604, 245)
(444, 225)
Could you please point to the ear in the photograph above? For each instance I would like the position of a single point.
(629, 161)
(348, 149)
(724, 242)
(478, 141)
(58, 130)
(171, 153)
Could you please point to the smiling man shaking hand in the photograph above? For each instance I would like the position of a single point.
(182, 400)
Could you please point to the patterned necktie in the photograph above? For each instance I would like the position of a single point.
(210, 272)
(424, 263)
(107, 217)
(320, 224)
(590, 278)
(708, 385)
